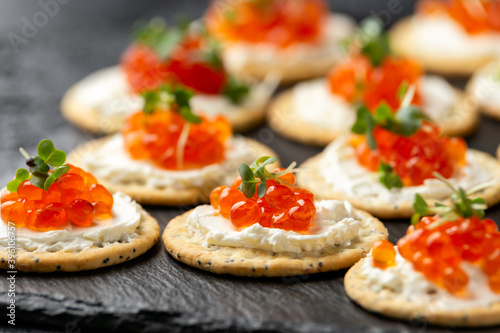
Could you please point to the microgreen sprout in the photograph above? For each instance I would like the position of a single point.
(39, 167)
(406, 121)
(158, 36)
(170, 97)
(460, 206)
(256, 173)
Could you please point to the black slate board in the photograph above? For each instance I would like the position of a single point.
(155, 292)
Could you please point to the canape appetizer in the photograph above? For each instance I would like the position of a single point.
(451, 37)
(445, 271)
(296, 39)
(264, 225)
(484, 86)
(167, 154)
(389, 157)
(318, 111)
(160, 54)
(57, 217)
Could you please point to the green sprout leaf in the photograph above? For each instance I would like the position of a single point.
(410, 120)
(182, 96)
(45, 149)
(39, 167)
(420, 205)
(388, 176)
(236, 91)
(158, 36)
(188, 114)
(175, 98)
(50, 155)
(21, 176)
(383, 113)
(461, 205)
(255, 176)
(151, 100)
(374, 42)
(213, 53)
(56, 173)
(360, 126)
(365, 123)
(261, 189)
(402, 90)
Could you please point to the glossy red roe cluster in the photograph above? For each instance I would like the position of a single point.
(156, 137)
(279, 22)
(188, 64)
(75, 198)
(439, 251)
(357, 80)
(413, 158)
(284, 206)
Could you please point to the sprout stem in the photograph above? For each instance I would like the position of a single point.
(24, 153)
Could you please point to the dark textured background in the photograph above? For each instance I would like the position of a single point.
(155, 292)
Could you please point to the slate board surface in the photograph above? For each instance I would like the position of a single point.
(155, 292)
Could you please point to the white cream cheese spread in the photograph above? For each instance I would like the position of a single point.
(314, 103)
(442, 36)
(403, 279)
(335, 224)
(127, 215)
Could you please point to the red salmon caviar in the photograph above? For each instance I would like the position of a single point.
(383, 254)
(438, 252)
(414, 158)
(188, 64)
(357, 80)
(283, 206)
(155, 137)
(279, 22)
(74, 198)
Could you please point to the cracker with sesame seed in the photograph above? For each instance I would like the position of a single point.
(189, 195)
(94, 257)
(460, 120)
(402, 40)
(312, 179)
(396, 305)
(183, 245)
(85, 111)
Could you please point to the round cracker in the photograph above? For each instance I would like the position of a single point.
(94, 257)
(167, 196)
(79, 112)
(461, 120)
(284, 119)
(311, 178)
(403, 42)
(181, 244)
(489, 110)
(395, 305)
